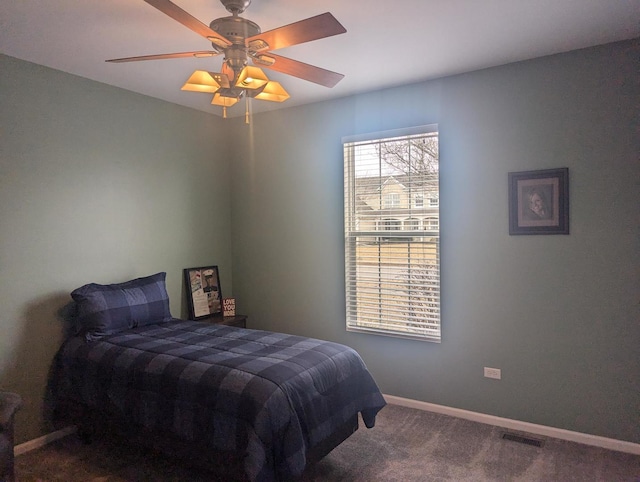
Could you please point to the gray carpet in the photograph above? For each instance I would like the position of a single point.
(405, 445)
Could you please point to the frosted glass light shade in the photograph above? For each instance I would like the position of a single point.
(223, 101)
(274, 92)
(202, 81)
(251, 78)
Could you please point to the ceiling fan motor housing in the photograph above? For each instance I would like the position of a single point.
(236, 30)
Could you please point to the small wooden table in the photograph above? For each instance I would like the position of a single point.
(238, 320)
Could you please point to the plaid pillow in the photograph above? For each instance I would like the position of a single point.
(107, 309)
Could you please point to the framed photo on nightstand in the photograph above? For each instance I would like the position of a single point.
(204, 295)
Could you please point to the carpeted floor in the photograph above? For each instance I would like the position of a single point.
(406, 445)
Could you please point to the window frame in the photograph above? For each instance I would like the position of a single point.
(391, 200)
(403, 324)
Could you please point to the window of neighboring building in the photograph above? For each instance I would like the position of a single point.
(391, 200)
(412, 224)
(390, 225)
(431, 224)
(392, 282)
(418, 200)
(433, 201)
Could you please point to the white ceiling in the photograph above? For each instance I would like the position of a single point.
(388, 42)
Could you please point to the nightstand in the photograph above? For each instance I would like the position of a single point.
(238, 320)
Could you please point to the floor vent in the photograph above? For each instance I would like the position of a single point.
(522, 439)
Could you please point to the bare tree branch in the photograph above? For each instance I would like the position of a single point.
(415, 156)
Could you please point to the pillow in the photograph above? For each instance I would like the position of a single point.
(107, 309)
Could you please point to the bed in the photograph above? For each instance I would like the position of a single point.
(266, 404)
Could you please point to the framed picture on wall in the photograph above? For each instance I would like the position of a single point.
(204, 295)
(539, 202)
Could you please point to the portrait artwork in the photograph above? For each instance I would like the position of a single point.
(539, 202)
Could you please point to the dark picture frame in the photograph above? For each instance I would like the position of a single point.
(204, 294)
(539, 202)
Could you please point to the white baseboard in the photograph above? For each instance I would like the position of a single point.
(36, 443)
(583, 438)
(559, 433)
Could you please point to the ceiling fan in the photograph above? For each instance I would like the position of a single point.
(239, 40)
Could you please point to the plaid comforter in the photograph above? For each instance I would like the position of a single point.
(267, 396)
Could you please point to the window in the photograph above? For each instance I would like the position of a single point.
(431, 224)
(390, 225)
(412, 224)
(392, 269)
(391, 200)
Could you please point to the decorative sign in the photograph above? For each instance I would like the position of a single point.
(229, 307)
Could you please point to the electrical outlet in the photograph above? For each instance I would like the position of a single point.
(492, 373)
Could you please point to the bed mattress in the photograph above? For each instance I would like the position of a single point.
(266, 397)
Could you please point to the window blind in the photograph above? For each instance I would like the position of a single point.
(392, 236)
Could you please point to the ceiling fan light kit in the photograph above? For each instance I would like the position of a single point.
(239, 40)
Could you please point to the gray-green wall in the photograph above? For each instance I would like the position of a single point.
(560, 315)
(97, 184)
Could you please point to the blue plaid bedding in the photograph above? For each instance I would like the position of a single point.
(269, 397)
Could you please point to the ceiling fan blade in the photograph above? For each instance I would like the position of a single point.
(176, 13)
(200, 53)
(314, 28)
(303, 71)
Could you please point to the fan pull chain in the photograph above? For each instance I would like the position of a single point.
(224, 111)
(246, 111)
